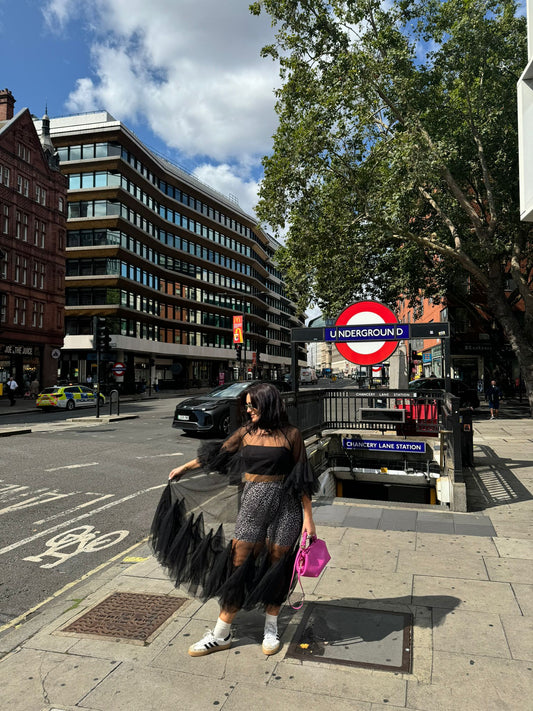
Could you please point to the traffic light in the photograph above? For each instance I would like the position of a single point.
(238, 352)
(102, 336)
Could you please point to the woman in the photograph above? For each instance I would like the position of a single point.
(256, 567)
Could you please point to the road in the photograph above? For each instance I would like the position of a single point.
(72, 497)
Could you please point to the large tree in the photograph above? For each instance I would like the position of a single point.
(394, 167)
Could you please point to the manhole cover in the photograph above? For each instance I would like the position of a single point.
(354, 636)
(129, 617)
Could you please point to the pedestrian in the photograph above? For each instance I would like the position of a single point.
(11, 389)
(89, 380)
(34, 388)
(493, 396)
(156, 385)
(255, 568)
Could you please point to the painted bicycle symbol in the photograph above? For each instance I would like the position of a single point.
(84, 538)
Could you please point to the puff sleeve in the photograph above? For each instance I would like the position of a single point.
(301, 480)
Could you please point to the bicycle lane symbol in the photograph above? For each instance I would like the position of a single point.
(83, 539)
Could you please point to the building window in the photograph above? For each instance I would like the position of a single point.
(43, 234)
(43, 197)
(25, 228)
(61, 205)
(5, 219)
(5, 174)
(19, 313)
(3, 266)
(37, 315)
(3, 308)
(59, 319)
(38, 272)
(21, 269)
(26, 187)
(19, 184)
(24, 153)
(18, 224)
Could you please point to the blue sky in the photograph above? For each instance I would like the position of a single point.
(186, 76)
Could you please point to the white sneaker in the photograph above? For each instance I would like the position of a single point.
(271, 642)
(209, 644)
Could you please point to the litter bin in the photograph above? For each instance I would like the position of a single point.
(467, 438)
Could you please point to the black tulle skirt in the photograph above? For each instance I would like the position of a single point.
(198, 557)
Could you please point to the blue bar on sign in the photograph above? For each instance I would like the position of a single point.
(385, 445)
(368, 332)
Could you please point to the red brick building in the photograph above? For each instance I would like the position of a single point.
(32, 249)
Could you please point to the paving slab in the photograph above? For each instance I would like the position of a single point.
(474, 595)
(32, 679)
(514, 548)
(475, 683)
(519, 632)
(271, 697)
(363, 557)
(387, 540)
(338, 682)
(524, 597)
(456, 545)
(513, 570)
(135, 686)
(349, 583)
(441, 564)
(465, 632)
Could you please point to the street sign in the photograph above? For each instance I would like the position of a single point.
(376, 329)
(385, 445)
(119, 369)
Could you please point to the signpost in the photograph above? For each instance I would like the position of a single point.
(367, 333)
(119, 369)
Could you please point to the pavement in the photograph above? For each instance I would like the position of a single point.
(449, 596)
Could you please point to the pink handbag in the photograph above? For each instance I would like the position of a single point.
(310, 561)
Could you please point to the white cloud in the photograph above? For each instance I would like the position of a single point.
(188, 70)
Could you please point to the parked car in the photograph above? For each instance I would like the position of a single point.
(468, 397)
(68, 397)
(212, 412)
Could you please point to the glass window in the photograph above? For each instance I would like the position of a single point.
(87, 151)
(75, 153)
(87, 180)
(100, 150)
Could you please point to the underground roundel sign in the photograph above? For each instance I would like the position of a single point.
(367, 333)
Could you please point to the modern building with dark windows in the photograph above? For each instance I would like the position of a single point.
(168, 262)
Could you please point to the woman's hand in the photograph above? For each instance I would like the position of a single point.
(178, 472)
(309, 526)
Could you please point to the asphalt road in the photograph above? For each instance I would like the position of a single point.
(71, 498)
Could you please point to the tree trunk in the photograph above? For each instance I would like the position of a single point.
(517, 336)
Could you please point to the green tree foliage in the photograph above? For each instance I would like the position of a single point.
(394, 167)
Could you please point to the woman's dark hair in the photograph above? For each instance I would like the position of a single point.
(271, 408)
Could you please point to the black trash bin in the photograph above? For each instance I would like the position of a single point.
(467, 438)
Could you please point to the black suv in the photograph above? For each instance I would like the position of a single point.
(468, 397)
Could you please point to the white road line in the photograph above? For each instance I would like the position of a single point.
(69, 511)
(73, 466)
(153, 456)
(59, 526)
(36, 501)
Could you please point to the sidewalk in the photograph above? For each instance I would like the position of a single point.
(470, 596)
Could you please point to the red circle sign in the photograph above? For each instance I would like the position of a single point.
(366, 352)
(119, 369)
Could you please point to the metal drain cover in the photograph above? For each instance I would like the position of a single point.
(354, 636)
(127, 617)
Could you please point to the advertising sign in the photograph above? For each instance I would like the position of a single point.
(238, 329)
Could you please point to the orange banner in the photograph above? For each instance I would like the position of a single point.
(238, 329)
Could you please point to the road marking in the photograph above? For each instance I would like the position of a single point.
(153, 456)
(36, 501)
(21, 618)
(73, 466)
(83, 537)
(30, 539)
(75, 508)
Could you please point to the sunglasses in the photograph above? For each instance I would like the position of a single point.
(250, 407)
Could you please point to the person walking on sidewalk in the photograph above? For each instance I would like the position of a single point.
(12, 387)
(255, 568)
(493, 396)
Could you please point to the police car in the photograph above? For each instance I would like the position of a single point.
(68, 397)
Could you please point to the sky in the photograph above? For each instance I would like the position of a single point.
(185, 75)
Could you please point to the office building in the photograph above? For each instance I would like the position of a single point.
(168, 262)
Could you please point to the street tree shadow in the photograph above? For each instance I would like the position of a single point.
(492, 482)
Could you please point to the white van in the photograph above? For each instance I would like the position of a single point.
(308, 375)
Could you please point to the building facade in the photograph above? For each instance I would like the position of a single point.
(168, 262)
(32, 246)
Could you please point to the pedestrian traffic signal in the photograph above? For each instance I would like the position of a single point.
(238, 352)
(103, 335)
